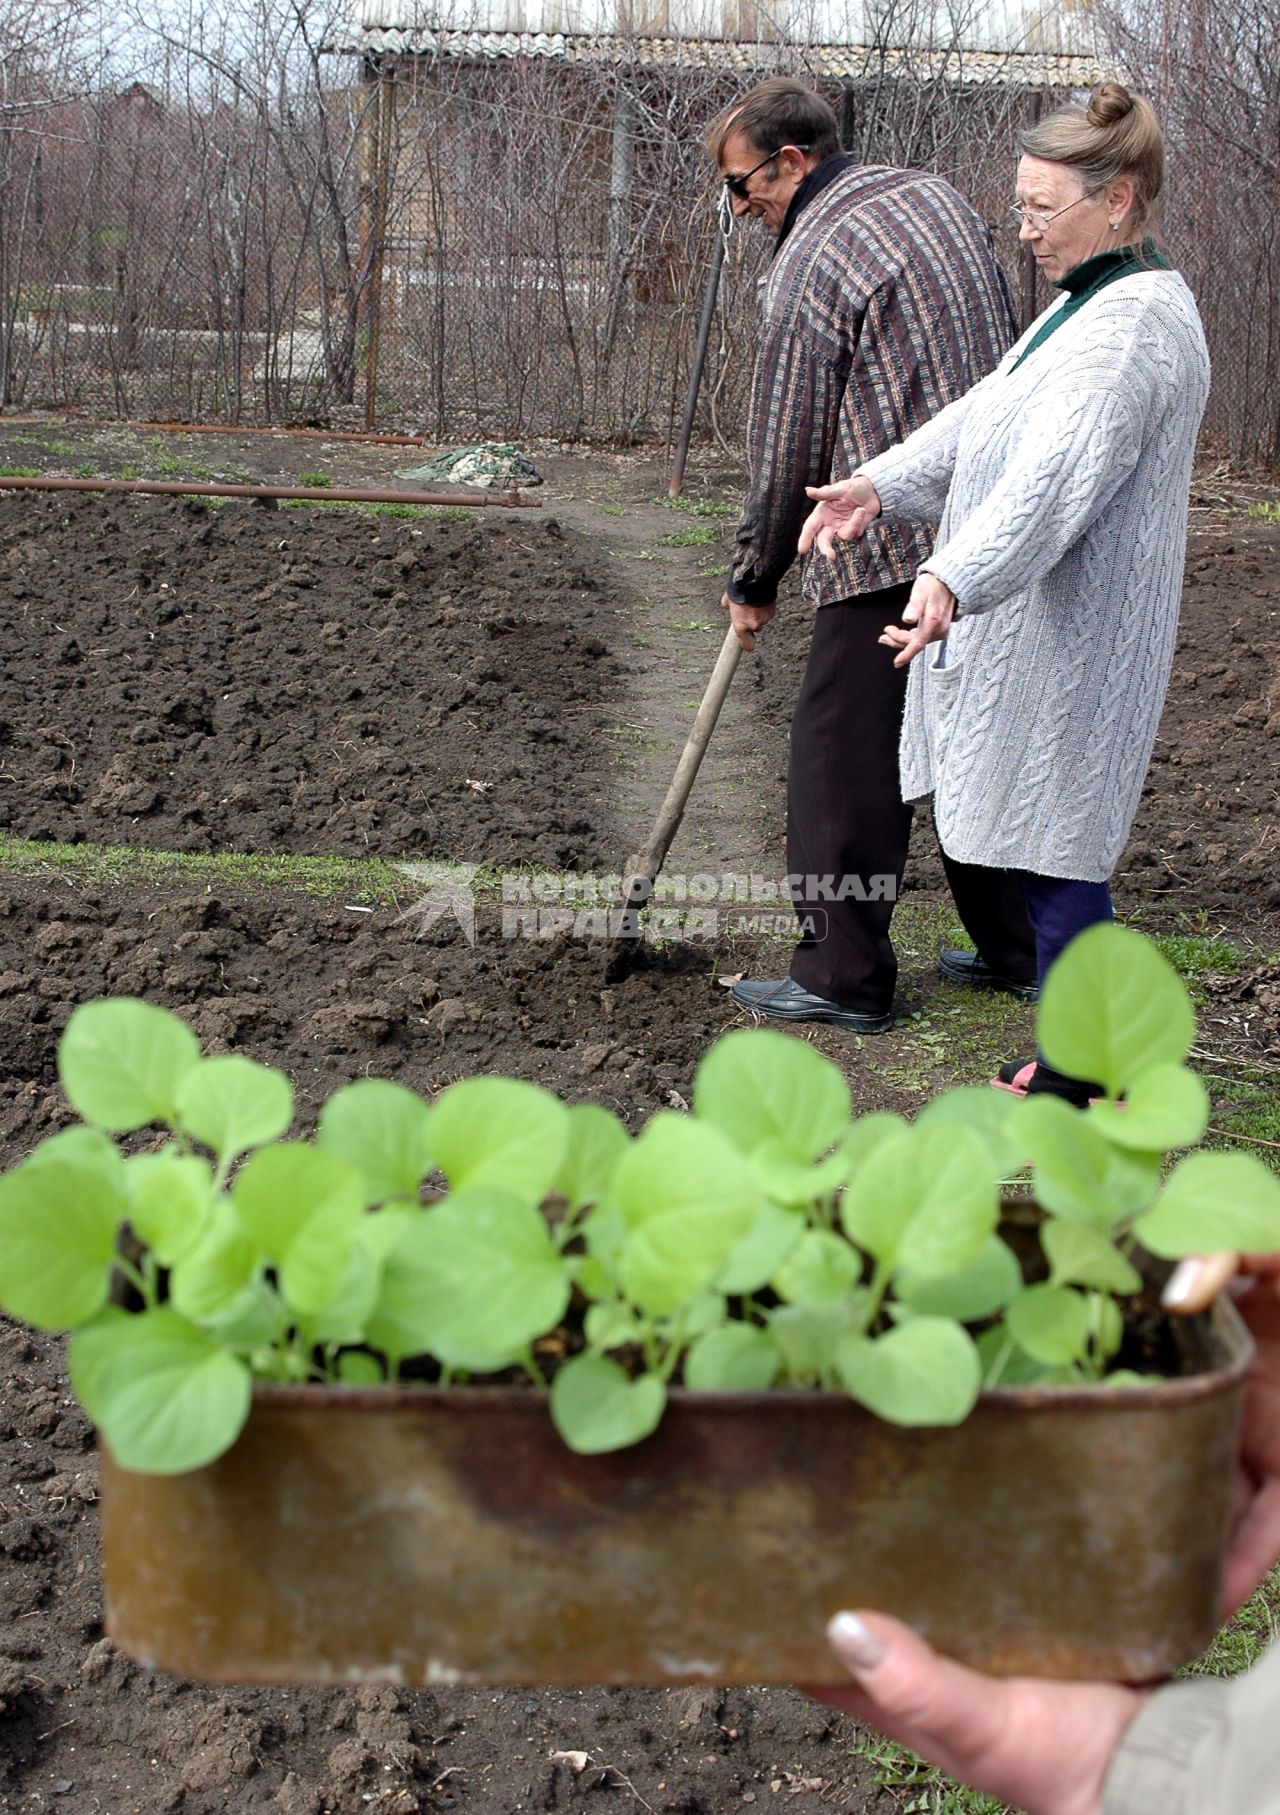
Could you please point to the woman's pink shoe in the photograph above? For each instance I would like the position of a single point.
(1014, 1076)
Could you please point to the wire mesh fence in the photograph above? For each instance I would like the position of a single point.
(252, 229)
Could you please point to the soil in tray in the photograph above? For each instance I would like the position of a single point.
(308, 680)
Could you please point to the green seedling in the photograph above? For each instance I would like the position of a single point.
(316, 479)
(767, 1239)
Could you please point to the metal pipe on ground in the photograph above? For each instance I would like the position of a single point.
(231, 430)
(329, 494)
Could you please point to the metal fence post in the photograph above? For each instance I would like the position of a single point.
(724, 221)
(1027, 252)
(382, 184)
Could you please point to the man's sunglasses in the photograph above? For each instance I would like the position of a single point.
(737, 185)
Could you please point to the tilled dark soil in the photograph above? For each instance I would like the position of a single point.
(329, 992)
(82, 1729)
(315, 681)
(1207, 838)
(288, 681)
(306, 680)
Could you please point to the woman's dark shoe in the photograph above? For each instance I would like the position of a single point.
(787, 1001)
(1033, 1078)
(972, 968)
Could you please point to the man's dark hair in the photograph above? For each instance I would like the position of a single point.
(780, 111)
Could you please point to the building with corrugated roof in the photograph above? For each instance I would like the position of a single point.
(990, 41)
(549, 191)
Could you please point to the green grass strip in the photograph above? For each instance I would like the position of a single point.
(362, 881)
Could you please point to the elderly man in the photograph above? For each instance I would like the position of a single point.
(883, 302)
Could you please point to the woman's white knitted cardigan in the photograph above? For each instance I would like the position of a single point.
(1061, 494)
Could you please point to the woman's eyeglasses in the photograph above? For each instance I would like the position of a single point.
(1037, 219)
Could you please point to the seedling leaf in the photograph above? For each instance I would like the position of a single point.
(206, 1284)
(609, 1326)
(688, 1198)
(924, 1372)
(597, 1141)
(170, 1198)
(164, 1396)
(759, 1085)
(85, 1147)
(788, 1178)
(820, 1270)
(1112, 1007)
(867, 1134)
(1078, 1172)
(341, 1313)
(1051, 1323)
(808, 1336)
(475, 1279)
(1166, 1106)
(501, 1133)
(232, 1104)
(121, 1062)
(596, 1408)
(736, 1358)
(281, 1189)
(754, 1259)
(924, 1200)
(1080, 1255)
(991, 1281)
(1214, 1202)
(990, 1114)
(58, 1224)
(384, 1131)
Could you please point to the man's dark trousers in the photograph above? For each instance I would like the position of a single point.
(846, 822)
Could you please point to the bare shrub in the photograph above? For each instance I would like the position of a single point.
(214, 216)
(1212, 68)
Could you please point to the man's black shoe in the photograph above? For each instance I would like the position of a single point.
(787, 1001)
(972, 968)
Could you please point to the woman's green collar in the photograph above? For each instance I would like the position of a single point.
(1144, 256)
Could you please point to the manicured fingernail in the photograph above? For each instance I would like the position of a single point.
(1182, 1282)
(854, 1643)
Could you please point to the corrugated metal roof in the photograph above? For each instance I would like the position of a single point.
(1052, 28)
(839, 62)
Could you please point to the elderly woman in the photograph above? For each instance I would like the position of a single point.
(1060, 485)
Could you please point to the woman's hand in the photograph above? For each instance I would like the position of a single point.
(1254, 1283)
(929, 611)
(1044, 1746)
(842, 510)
